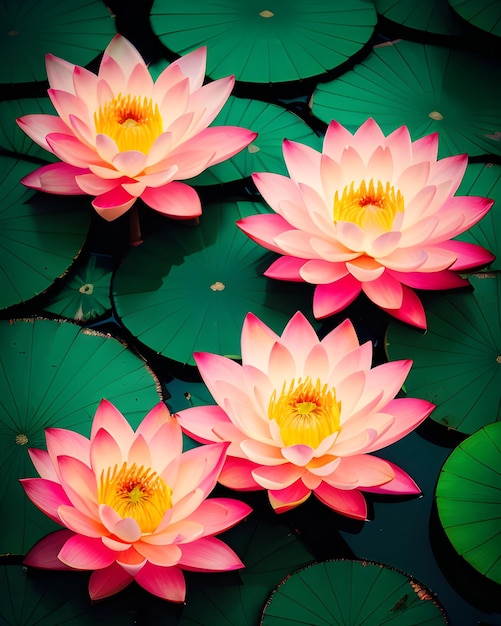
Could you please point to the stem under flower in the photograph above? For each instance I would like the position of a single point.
(134, 227)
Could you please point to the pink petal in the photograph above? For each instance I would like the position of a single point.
(411, 311)
(57, 178)
(199, 422)
(161, 555)
(408, 413)
(261, 453)
(286, 268)
(199, 469)
(208, 101)
(387, 377)
(109, 418)
(105, 452)
(366, 470)
(209, 554)
(433, 280)
(364, 269)
(425, 148)
(67, 104)
(108, 581)
(339, 341)
(278, 476)
(303, 164)
(283, 500)
(300, 335)
(349, 503)
(43, 464)
(401, 484)
(129, 163)
(192, 65)
(330, 299)
(140, 82)
(71, 150)
(94, 185)
(385, 291)
(44, 553)
(298, 454)
(79, 483)
(257, 341)
(86, 553)
(85, 86)
(61, 441)
(214, 368)
(59, 73)
(237, 474)
(79, 523)
(469, 255)
(46, 495)
(281, 365)
(139, 453)
(296, 243)
(174, 199)
(111, 79)
(166, 582)
(275, 188)
(124, 53)
(113, 203)
(336, 138)
(38, 125)
(219, 514)
(320, 272)
(263, 229)
(359, 442)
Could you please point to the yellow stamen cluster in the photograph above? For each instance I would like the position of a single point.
(368, 205)
(136, 492)
(305, 412)
(133, 122)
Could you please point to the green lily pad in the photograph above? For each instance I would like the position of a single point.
(358, 593)
(484, 180)
(426, 88)
(272, 42)
(85, 294)
(12, 138)
(76, 31)
(40, 236)
(456, 363)
(468, 499)
(269, 551)
(273, 123)
(55, 374)
(483, 14)
(188, 289)
(429, 16)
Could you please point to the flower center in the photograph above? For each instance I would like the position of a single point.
(305, 412)
(368, 205)
(132, 121)
(135, 492)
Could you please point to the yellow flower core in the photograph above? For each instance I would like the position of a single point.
(368, 205)
(305, 412)
(133, 122)
(136, 492)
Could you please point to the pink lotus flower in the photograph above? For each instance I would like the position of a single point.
(135, 505)
(121, 136)
(302, 416)
(370, 213)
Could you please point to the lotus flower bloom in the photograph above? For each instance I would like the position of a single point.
(370, 213)
(122, 136)
(135, 507)
(303, 415)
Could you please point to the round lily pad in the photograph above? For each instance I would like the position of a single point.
(358, 593)
(55, 374)
(269, 551)
(40, 236)
(484, 180)
(76, 31)
(12, 138)
(273, 123)
(428, 16)
(457, 362)
(426, 88)
(468, 499)
(270, 42)
(188, 289)
(483, 14)
(85, 292)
